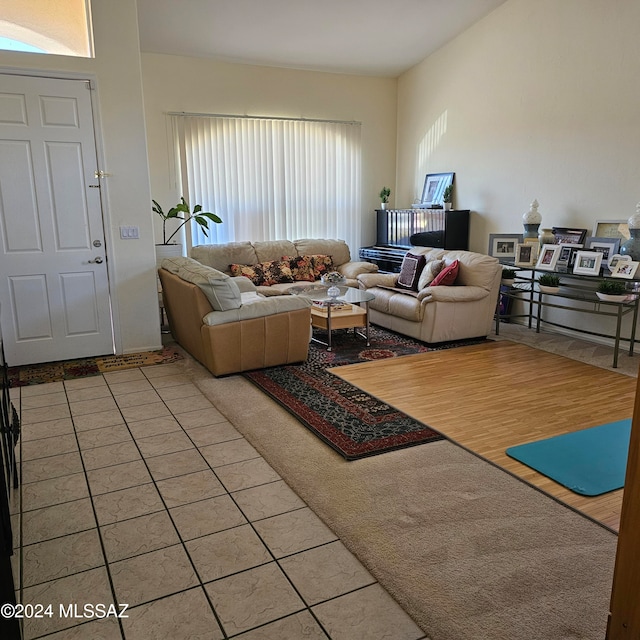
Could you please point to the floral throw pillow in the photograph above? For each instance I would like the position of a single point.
(251, 271)
(321, 264)
(301, 267)
(276, 272)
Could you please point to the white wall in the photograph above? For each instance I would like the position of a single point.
(540, 99)
(126, 193)
(175, 83)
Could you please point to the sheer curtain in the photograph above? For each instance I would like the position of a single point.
(272, 179)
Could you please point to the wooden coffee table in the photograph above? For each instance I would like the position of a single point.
(330, 318)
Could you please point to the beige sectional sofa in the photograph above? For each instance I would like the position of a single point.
(221, 256)
(439, 313)
(226, 325)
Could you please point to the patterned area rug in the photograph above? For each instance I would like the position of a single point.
(350, 421)
(69, 369)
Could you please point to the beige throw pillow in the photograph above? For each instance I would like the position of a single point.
(430, 271)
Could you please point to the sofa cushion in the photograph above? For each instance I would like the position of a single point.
(301, 267)
(220, 256)
(258, 307)
(412, 266)
(337, 249)
(221, 291)
(430, 271)
(268, 250)
(447, 276)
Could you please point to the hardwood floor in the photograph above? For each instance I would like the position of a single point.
(491, 396)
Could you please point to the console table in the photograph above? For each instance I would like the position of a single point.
(397, 230)
(574, 289)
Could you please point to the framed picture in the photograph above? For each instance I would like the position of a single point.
(611, 229)
(503, 245)
(564, 257)
(548, 257)
(526, 255)
(615, 258)
(564, 235)
(625, 269)
(434, 186)
(588, 263)
(606, 246)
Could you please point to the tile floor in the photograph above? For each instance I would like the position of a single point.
(136, 490)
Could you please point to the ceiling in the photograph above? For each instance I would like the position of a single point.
(369, 37)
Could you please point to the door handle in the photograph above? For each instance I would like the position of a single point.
(98, 260)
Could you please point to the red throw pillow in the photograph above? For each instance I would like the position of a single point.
(321, 264)
(251, 271)
(447, 276)
(412, 266)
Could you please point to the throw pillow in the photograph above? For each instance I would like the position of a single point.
(253, 272)
(430, 271)
(276, 272)
(447, 276)
(301, 267)
(412, 266)
(321, 264)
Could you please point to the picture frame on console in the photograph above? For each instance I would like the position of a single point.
(503, 245)
(588, 263)
(615, 258)
(606, 246)
(434, 186)
(625, 269)
(565, 235)
(548, 257)
(526, 254)
(611, 229)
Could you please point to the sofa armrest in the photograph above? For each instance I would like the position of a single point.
(370, 280)
(353, 269)
(258, 307)
(453, 293)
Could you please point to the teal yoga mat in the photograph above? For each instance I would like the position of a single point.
(589, 462)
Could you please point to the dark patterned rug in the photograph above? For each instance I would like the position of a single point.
(352, 422)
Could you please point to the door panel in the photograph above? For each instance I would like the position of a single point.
(54, 297)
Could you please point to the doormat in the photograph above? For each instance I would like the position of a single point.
(589, 462)
(349, 420)
(70, 369)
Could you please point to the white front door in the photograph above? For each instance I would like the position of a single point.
(54, 290)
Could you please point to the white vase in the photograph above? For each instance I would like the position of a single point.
(546, 289)
(610, 297)
(167, 251)
(383, 206)
(447, 206)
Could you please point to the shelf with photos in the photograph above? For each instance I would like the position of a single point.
(572, 278)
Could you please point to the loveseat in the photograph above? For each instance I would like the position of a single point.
(461, 307)
(225, 324)
(275, 266)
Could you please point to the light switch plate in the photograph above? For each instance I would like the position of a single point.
(129, 233)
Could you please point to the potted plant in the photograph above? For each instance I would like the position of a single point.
(385, 192)
(508, 277)
(612, 291)
(181, 212)
(447, 197)
(549, 283)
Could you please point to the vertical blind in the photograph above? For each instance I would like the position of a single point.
(272, 179)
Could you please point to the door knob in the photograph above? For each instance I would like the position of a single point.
(98, 260)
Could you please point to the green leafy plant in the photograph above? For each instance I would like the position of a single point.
(549, 280)
(612, 287)
(447, 194)
(182, 212)
(385, 192)
(508, 274)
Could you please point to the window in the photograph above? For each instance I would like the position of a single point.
(43, 26)
(272, 179)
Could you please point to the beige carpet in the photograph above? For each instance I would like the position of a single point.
(470, 552)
